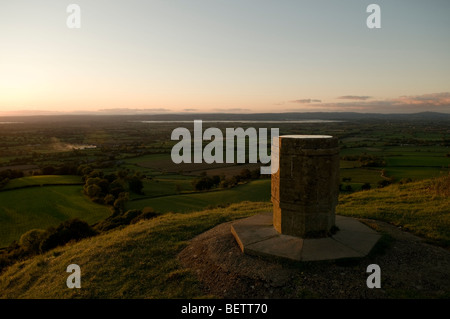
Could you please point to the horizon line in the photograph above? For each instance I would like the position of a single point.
(97, 113)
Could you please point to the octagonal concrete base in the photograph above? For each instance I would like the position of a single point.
(257, 236)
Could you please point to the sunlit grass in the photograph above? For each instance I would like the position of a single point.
(420, 207)
(138, 261)
(42, 207)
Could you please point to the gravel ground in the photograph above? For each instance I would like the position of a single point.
(410, 268)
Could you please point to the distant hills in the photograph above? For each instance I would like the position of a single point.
(292, 116)
(337, 116)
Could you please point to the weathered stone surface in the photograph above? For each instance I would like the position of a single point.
(303, 225)
(305, 188)
(281, 246)
(352, 240)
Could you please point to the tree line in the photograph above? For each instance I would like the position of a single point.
(205, 182)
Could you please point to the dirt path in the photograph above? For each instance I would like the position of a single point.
(410, 268)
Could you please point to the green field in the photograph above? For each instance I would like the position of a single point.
(415, 173)
(256, 191)
(41, 207)
(362, 175)
(42, 180)
(147, 158)
(419, 161)
(402, 162)
(165, 185)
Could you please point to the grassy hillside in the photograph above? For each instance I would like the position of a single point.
(420, 207)
(41, 207)
(139, 261)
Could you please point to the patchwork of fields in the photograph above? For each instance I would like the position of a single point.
(406, 154)
(24, 207)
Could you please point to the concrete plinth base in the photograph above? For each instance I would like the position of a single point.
(257, 236)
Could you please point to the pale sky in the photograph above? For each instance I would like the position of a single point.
(224, 56)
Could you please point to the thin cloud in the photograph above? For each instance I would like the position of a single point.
(354, 97)
(237, 110)
(190, 110)
(433, 99)
(29, 113)
(304, 101)
(128, 110)
(435, 102)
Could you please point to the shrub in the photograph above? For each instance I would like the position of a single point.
(146, 214)
(135, 184)
(31, 240)
(67, 231)
(256, 174)
(109, 199)
(384, 183)
(4, 261)
(116, 187)
(125, 218)
(11, 174)
(3, 182)
(366, 186)
(441, 186)
(48, 170)
(130, 215)
(405, 180)
(119, 203)
(216, 179)
(93, 191)
(203, 183)
(245, 174)
(148, 210)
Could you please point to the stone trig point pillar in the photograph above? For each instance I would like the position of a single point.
(305, 188)
(303, 225)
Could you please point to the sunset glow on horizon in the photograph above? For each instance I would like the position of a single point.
(224, 56)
